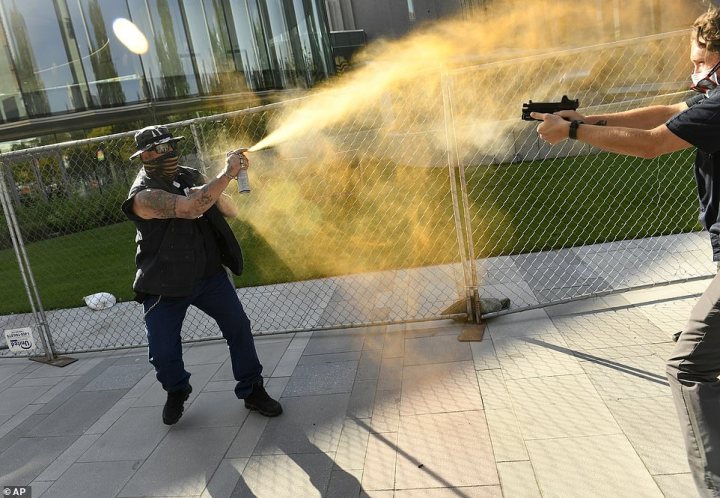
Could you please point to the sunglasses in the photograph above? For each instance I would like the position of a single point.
(163, 148)
(706, 84)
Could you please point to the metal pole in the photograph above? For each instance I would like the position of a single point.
(453, 165)
(199, 147)
(24, 270)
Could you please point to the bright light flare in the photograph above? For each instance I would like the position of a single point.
(130, 36)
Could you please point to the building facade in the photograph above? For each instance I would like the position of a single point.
(60, 57)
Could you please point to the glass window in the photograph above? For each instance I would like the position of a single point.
(46, 74)
(12, 107)
(281, 50)
(114, 74)
(305, 39)
(211, 47)
(248, 42)
(168, 63)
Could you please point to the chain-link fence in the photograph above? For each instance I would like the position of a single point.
(407, 212)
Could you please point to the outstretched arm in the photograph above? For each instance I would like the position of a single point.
(644, 118)
(154, 203)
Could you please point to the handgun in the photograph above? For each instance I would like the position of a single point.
(548, 107)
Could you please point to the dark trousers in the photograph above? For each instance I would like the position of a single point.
(693, 371)
(163, 321)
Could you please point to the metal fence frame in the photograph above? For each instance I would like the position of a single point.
(467, 281)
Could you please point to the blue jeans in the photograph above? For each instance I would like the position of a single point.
(215, 296)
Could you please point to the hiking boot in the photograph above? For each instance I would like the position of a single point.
(174, 405)
(260, 401)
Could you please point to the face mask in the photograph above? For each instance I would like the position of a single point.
(163, 167)
(705, 81)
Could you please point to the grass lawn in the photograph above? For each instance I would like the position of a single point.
(395, 220)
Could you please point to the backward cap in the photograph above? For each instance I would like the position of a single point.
(150, 136)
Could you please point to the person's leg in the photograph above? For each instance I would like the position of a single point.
(163, 323)
(219, 300)
(692, 372)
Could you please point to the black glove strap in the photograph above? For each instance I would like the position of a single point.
(574, 125)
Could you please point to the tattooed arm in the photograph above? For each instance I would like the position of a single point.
(154, 203)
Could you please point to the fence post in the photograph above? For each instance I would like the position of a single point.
(7, 171)
(199, 147)
(26, 272)
(38, 177)
(461, 211)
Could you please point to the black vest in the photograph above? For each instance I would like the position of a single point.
(170, 255)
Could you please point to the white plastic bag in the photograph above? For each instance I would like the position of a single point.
(100, 301)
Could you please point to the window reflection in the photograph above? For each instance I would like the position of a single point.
(168, 64)
(60, 56)
(47, 78)
(114, 74)
(211, 47)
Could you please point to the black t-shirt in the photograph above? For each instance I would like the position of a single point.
(700, 126)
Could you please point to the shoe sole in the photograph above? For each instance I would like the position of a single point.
(263, 412)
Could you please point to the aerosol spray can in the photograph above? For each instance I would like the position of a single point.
(242, 179)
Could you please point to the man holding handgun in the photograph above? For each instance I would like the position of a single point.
(648, 132)
(184, 245)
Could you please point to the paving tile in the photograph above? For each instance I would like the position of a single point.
(507, 440)
(531, 322)
(393, 344)
(350, 454)
(215, 409)
(562, 406)
(200, 376)
(118, 377)
(438, 388)
(562, 467)
(287, 363)
(57, 394)
(315, 359)
(518, 479)
(322, 378)
(220, 385)
(483, 354)
(14, 399)
(390, 376)
(80, 367)
(40, 381)
(18, 419)
(8, 370)
(436, 349)
(247, 438)
(532, 356)
(24, 460)
(182, 464)
(677, 486)
(133, 437)
(334, 342)
(380, 460)
(225, 478)
(142, 386)
(651, 425)
(344, 483)
(362, 399)
(493, 390)
(93, 480)
(305, 475)
(638, 377)
(78, 413)
(443, 450)
(309, 424)
(386, 411)
(369, 365)
(39, 487)
(110, 417)
(452, 492)
(67, 458)
(206, 352)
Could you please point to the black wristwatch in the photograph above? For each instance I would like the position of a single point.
(574, 125)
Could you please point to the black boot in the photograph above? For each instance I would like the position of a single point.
(261, 401)
(174, 405)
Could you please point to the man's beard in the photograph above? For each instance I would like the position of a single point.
(164, 167)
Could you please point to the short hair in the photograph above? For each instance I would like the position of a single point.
(706, 30)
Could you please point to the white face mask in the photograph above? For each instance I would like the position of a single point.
(710, 82)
